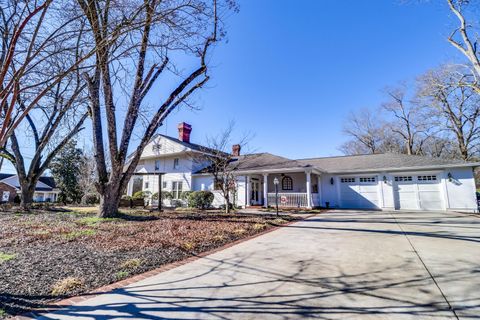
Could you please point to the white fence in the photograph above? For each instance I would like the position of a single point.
(292, 199)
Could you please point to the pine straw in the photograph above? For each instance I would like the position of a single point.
(50, 247)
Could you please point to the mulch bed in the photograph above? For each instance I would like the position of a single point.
(42, 248)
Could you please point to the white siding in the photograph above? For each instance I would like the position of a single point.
(461, 190)
(329, 191)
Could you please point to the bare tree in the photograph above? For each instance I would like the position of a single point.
(149, 35)
(465, 39)
(366, 131)
(456, 105)
(408, 120)
(33, 34)
(222, 163)
(57, 118)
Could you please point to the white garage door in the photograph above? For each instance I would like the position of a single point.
(359, 192)
(418, 192)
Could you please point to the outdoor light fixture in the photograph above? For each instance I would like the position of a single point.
(384, 179)
(331, 180)
(450, 177)
(275, 182)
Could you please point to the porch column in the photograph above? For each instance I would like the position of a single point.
(247, 191)
(265, 190)
(309, 189)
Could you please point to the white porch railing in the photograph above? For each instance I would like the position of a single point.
(292, 199)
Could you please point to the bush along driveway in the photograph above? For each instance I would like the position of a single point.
(46, 256)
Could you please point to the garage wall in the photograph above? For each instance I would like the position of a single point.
(329, 191)
(461, 190)
(387, 201)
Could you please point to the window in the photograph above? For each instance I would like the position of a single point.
(177, 189)
(164, 185)
(156, 148)
(405, 178)
(175, 163)
(146, 184)
(157, 165)
(347, 180)
(368, 179)
(287, 183)
(315, 188)
(427, 178)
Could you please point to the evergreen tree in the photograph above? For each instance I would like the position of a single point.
(66, 170)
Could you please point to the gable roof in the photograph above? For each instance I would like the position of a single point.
(342, 164)
(382, 161)
(193, 146)
(44, 183)
(189, 145)
(261, 162)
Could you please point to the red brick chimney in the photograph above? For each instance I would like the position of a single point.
(236, 150)
(184, 130)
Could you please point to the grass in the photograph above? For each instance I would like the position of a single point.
(92, 221)
(66, 286)
(77, 234)
(131, 264)
(7, 256)
(121, 275)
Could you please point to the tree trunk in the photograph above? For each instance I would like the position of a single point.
(27, 192)
(227, 202)
(109, 202)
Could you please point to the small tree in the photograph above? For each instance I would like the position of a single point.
(222, 163)
(66, 169)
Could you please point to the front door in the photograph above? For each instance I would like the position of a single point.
(255, 196)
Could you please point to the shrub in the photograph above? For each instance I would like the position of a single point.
(90, 198)
(176, 203)
(141, 195)
(126, 197)
(6, 256)
(131, 264)
(224, 206)
(66, 286)
(120, 275)
(165, 195)
(200, 199)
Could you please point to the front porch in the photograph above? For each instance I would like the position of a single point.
(295, 189)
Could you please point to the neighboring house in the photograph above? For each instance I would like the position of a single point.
(379, 181)
(45, 191)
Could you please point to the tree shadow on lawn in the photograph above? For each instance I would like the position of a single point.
(232, 288)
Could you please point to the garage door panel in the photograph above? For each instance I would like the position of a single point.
(354, 194)
(418, 193)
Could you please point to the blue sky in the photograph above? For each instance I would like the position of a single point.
(292, 70)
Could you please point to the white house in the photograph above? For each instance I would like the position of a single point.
(379, 181)
(45, 190)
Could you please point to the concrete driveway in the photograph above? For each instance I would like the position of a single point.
(338, 265)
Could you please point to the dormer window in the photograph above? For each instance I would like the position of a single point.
(175, 163)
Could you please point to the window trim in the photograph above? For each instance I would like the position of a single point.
(177, 192)
(287, 183)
